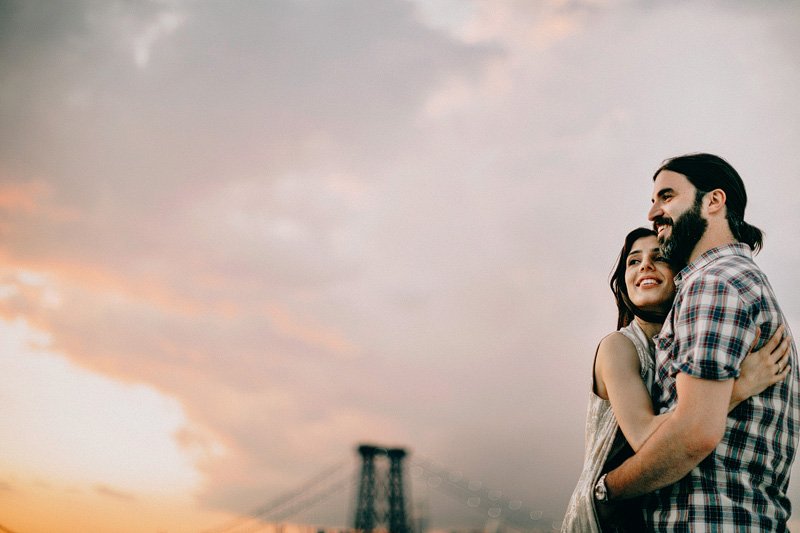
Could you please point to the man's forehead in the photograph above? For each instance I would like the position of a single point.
(668, 179)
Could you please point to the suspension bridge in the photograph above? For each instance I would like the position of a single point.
(382, 498)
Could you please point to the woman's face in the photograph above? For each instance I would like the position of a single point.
(648, 276)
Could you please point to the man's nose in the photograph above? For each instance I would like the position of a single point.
(655, 211)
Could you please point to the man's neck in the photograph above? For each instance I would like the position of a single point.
(712, 238)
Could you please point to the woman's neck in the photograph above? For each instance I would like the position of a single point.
(650, 329)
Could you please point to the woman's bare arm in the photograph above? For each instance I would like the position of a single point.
(618, 379)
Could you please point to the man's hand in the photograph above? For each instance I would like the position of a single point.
(692, 432)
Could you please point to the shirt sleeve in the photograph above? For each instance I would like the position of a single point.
(716, 329)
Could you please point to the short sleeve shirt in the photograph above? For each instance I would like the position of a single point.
(722, 298)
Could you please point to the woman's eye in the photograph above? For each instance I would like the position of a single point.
(633, 262)
(661, 258)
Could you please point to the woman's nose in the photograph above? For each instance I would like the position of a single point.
(646, 264)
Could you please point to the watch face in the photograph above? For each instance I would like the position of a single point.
(600, 489)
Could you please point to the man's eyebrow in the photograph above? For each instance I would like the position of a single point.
(664, 191)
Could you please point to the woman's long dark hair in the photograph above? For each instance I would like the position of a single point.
(626, 309)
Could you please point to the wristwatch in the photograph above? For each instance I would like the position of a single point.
(600, 489)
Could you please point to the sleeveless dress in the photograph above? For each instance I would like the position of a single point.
(602, 442)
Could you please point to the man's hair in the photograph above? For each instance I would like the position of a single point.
(626, 309)
(708, 172)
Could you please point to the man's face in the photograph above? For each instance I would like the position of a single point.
(677, 216)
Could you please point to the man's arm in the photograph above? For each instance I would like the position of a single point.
(695, 428)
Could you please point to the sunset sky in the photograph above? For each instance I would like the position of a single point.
(239, 238)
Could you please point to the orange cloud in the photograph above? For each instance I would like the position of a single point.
(312, 334)
(32, 197)
(105, 490)
(25, 197)
(78, 508)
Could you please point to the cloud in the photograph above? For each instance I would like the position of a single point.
(311, 224)
(22, 197)
(165, 24)
(116, 494)
(203, 249)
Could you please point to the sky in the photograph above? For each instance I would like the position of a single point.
(238, 239)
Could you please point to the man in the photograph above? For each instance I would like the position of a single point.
(716, 471)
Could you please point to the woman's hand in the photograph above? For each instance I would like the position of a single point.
(764, 367)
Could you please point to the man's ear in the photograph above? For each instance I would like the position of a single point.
(715, 201)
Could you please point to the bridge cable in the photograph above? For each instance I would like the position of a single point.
(282, 501)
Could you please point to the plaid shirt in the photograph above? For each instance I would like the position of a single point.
(741, 486)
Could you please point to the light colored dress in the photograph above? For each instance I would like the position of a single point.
(600, 438)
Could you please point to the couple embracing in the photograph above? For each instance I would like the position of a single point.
(695, 405)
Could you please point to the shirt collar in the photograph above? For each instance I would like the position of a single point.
(735, 248)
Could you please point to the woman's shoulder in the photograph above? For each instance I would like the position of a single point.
(616, 356)
(615, 338)
(614, 345)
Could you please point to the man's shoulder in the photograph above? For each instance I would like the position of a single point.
(733, 270)
(734, 277)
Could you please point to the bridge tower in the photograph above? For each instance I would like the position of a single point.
(381, 498)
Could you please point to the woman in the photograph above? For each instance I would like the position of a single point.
(620, 416)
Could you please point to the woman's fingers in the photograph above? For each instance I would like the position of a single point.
(781, 353)
(756, 339)
(781, 375)
(770, 364)
(775, 340)
(781, 357)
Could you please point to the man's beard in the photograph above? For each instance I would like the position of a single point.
(686, 232)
